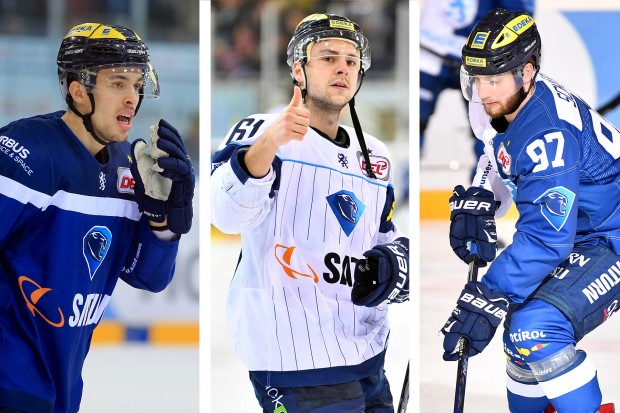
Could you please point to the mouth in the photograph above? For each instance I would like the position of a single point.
(340, 85)
(124, 120)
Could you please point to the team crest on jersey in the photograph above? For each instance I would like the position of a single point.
(555, 205)
(347, 209)
(380, 165)
(504, 159)
(96, 244)
(124, 181)
(342, 159)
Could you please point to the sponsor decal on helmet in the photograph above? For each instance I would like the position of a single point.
(479, 40)
(340, 24)
(512, 30)
(476, 61)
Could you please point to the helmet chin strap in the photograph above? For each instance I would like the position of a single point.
(86, 119)
(356, 122)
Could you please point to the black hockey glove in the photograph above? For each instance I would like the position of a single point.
(472, 220)
(383, 276)
(164, 178)
(477, 314)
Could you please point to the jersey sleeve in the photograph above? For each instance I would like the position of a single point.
(151, 261)
(240, 202)
(25, 179)
(547, 171)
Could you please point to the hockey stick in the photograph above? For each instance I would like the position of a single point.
(609, 106)
(404, 394)
(461, 372)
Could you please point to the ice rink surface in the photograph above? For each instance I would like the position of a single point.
(141, 378)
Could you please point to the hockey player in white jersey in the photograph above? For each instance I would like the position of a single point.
(321, 259)
(557, 158)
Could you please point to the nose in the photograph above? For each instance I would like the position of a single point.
(131, 97)
(341, 65)
(485, 91)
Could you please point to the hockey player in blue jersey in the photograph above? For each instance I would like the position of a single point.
(557, 159)
(321, 258)
(80, 209)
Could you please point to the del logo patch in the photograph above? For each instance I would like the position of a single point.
(503, 159)
(555, 205)
(125, 181)
(347, 209)
(95, 247)
(379, 165)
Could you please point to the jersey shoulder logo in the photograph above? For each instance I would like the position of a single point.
(504, 159)
(347, 209)
(555, 205)
(96, 244)
(380, 165)
(124, 181)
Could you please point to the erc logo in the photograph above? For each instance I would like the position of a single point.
(284, 257)
(33, 293)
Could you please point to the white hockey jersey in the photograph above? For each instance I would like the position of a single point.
(303, 228)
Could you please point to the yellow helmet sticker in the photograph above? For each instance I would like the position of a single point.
(476, 61)
(340, 24)
(512, 30)
(315, 16)
(96, 31)
(479, 40)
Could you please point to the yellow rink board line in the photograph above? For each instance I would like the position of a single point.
(162, 334)
(434, 205)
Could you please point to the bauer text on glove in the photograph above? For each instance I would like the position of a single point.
(472, 220)
(477, 314)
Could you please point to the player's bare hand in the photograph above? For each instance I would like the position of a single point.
(293, 122)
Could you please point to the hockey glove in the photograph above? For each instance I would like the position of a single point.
(472, 220)
(164, 178)
(177, 166)
(477, 314)
(383, 276)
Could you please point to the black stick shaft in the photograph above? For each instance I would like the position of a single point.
(461, 373)
(404, 394)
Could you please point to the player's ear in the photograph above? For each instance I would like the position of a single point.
(528, 72)
(298, 74)
(78, 92)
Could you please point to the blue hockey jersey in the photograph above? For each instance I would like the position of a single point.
(69, 230)
(560, 157)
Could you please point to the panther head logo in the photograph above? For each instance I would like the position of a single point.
(555, 203)
(347, 207)
(97, 244)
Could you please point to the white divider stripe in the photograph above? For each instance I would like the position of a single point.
(525, 390)
(570, 381)
(67, 201)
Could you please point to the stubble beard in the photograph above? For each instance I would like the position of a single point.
(511, 105)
